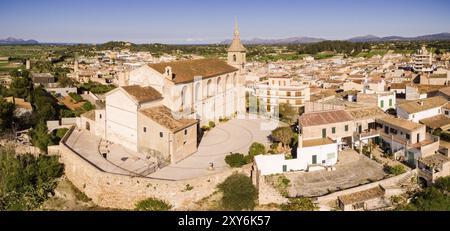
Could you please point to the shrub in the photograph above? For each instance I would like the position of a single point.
(211, 124)
(77, 98)
(396, 170)
(299, 204)
(153, 204)
(88, 106)
(205, 128)
(256, 149)
(281, 183)
(239, 193)
(235, 160)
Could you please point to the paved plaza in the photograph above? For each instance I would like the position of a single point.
(352, 170)
(233, 136)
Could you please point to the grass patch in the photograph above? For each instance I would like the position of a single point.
(79, 195)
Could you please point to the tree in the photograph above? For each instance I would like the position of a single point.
(25, 180)
(153, 204)
(235, 160)
(434, 198)
(238, 193)
(299, 204)
(6, 114)
(283, 135)
(288, 114)
(39, 136)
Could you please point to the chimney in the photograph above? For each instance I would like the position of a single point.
(168, 73)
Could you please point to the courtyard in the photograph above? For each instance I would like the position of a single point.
(352, 170)
(232, 136)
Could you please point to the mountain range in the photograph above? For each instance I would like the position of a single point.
(16, 41)
(291, 40)
(367, 38)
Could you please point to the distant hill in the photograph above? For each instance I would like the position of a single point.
(366, 38)
(372, 38)
(17, 41)
(292, 40)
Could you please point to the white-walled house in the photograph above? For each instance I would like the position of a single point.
(122, 107)
(384, 100)
(417, 110)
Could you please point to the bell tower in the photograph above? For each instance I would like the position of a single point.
(236, 51)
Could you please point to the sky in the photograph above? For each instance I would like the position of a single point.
(211, 21)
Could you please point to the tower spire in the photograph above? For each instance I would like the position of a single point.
(236, 27)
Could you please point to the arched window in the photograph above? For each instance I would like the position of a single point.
(234, 58)
(209, 88)
(183, 97)
(197, 92)
(219, 85)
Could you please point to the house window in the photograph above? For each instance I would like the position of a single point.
(185, 131)
(439, 111)
(288, 93)
(100, 116)
(324, 133)
(390, 102)
(284, 168)
(333, 130)
(446, 112)
(408, 137)
(346, 128)
(382, 104)
(393, 131)
(145, 129)
(161, 134)
(386, 129)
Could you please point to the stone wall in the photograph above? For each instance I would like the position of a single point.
(385, 183)
(123, 191)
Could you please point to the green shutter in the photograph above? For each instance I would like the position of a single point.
(324, 133)
(382, 104)
(346, 128)
(333, 130)
(390, 102)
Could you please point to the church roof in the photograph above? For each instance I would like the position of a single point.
(163, 116)
(185, 71)
(142, 94)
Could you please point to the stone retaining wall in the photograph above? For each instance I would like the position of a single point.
(123, 191)
(386, 183)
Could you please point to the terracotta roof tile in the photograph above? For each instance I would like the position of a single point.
(163, 116)
(415, 106)
(186, 70)
(142, 94)
(324, 117)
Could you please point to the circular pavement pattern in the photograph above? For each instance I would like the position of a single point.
(233, 136)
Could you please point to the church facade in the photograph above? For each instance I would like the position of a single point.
(162, 105)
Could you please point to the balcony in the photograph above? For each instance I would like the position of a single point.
(367, 134)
